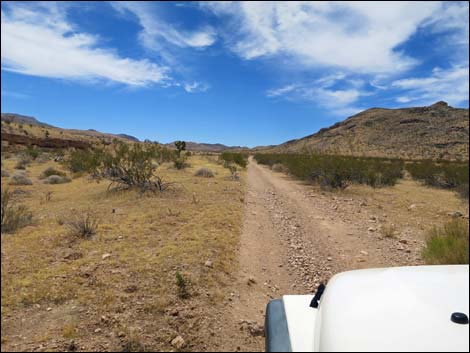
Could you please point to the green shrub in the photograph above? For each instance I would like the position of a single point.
(13, 216)
(32, 152)
(332, 171)
(179, 162)
(204, 172)
(441, 174)
(84, 160)
(448, 244)
(182, 285)
(232, 157)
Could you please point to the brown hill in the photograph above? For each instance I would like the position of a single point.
(438, 131)
(26, 130)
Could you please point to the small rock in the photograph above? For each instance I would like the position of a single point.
(329, 258)
(364, 253)
(98, 330)
(251, 280)
(49, 309)
(121, 334)
(403, 241)
(105, 256)
(411, 207)
(209, 264)
(371, 229)
(178, 342)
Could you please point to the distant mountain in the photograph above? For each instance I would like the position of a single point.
(206, 147)
(438, 131)
(128, 137)
(22, 125)
(23, 119)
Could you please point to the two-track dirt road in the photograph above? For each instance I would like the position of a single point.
(293, 239)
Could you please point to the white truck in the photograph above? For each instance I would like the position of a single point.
(422, 308)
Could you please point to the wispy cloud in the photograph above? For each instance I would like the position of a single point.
(325, 93)
(193, 87)
(16, 95)
(355, 36)
(155, 29)
(38, 40)
(450, 85)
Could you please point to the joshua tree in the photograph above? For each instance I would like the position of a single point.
(180, 146)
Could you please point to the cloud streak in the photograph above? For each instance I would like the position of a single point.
(38, 40)
(354, 36)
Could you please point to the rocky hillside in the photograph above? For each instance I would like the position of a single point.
(438, 131)
(22, 129)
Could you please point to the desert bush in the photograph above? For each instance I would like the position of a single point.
(240, 159)
(179, 162)
(278, 167)
(23, 161)
(20, 179)
(83, 225)
(204, 172)
(441, 174)
(448, 244)
(51, 171)
(182, 284)
(337, 172)
(13, 216)
(56, 179)
(32, 152)
(84, 160)
(132, 165)
(5, 173)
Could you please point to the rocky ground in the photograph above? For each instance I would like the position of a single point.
(296, 237)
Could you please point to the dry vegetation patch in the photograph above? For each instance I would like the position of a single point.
(119, 287)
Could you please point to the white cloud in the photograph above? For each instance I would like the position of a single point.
(154, 28)
(322, 92)
(355, 36)
(38, 40)
(193, 87)
(450, 85)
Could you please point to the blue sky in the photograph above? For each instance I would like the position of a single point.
(238, 73)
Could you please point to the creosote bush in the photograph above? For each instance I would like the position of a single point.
(13, 216)
(125, 165)
(448, 244)
(240, 159)
(83, 225)
(204, 172)
(337, 172)
(442, 174)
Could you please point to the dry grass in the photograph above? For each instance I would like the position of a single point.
(148, 245)
(448, 245)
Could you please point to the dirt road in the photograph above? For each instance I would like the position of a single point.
(293, 239)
